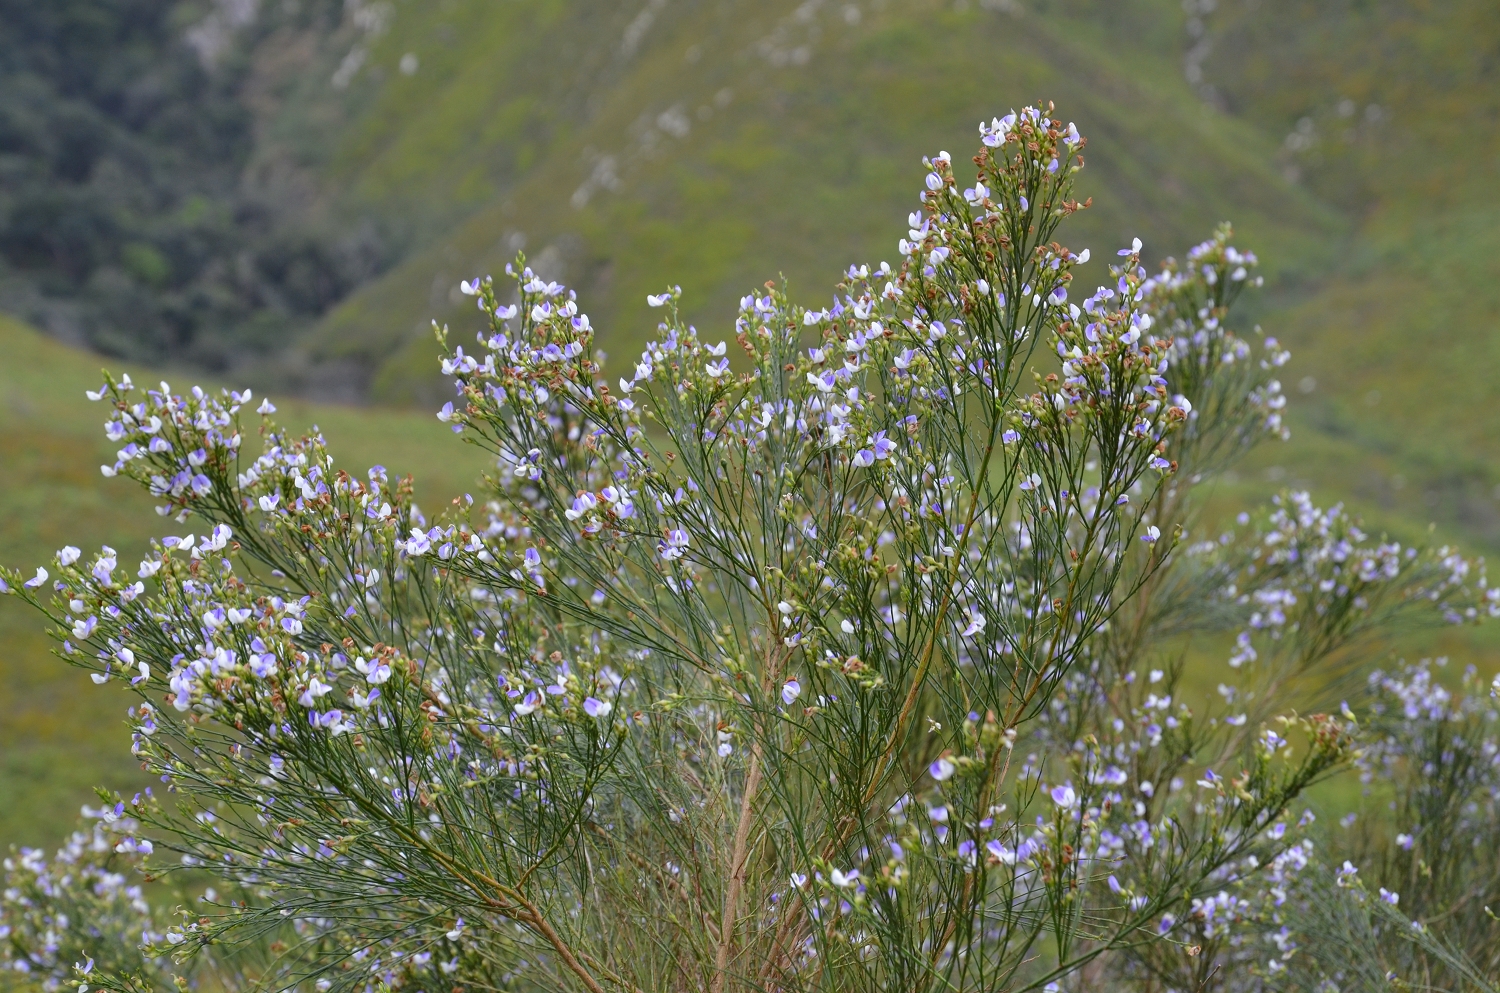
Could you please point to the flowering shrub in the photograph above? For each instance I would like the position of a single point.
(1416, 888)
(833, 663)
(59, 916)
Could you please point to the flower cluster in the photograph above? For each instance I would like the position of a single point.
(1307, 582)
(83, 909)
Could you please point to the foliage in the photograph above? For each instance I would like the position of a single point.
(729, 682)
(80, 910)
(127, 218)
(57, 745)
(1427, 847)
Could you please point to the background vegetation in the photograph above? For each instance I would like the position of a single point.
(284, 193)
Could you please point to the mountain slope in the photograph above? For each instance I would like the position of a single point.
(752, 140)
(1353, 144)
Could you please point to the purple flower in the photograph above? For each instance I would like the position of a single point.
(104, 567)
(790, 691)
(597, 708)
(864, 458)
(883, 445)
(37, 580)
(827, 382)
(1004, 854)
(1064, 797)
(315, 689)
(673, 546)
(582, 504)
(942, 769)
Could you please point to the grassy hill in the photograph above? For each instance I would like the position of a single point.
(744, 141)
(1353, 145)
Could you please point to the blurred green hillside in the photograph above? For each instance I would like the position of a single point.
(1354, 144)
(392, 147)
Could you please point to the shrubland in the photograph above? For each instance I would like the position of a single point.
(843, 652)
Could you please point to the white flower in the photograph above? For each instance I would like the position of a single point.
(375, 672)
(1003, 854)
(315, 689)
(675, 543)
(843, 880)
(942, 769)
